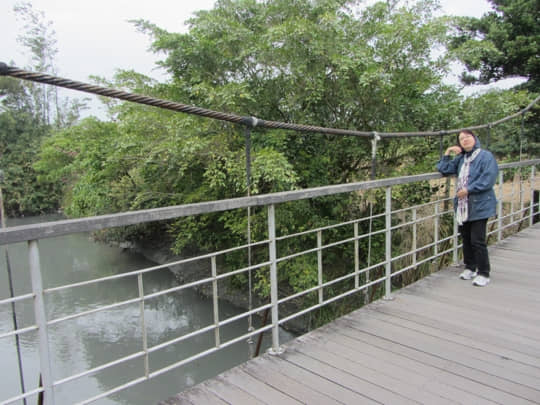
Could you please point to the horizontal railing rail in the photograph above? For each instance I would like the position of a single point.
(363, 277)
(90, 224)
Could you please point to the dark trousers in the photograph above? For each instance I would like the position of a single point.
(475, 253)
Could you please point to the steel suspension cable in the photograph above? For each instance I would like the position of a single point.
(15, 72)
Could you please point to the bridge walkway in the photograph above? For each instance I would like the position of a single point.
(439, 341)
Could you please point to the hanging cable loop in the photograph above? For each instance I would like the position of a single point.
(521, 135)
(249, 122)
(441, 135)
(374, 140)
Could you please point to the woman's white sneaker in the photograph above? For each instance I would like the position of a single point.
(481, 281)
(467, 274)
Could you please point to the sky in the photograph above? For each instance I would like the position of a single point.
(96, 38)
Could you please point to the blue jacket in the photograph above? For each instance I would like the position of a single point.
(482, 178)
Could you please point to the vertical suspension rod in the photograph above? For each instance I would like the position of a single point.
(12, 293)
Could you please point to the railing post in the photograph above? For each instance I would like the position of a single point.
(521, 200)
(388, 245)
(143, 324)
(512, 200)
(456, 242)
(436, 232)
(41, 321)
(357, 257)
(319, 265)
(215, 301)
(414, 237)
(500, 206)
(531, 219)
(368, 277)
(273, 280)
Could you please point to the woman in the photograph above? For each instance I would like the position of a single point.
(475, 201)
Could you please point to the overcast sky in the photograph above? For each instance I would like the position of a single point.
(95, 37)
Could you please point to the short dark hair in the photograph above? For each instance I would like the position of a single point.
(465, 131)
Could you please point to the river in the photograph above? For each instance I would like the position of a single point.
(86, 342)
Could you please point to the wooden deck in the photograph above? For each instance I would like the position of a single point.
(440, 341)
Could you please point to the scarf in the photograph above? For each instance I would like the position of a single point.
(462, 211)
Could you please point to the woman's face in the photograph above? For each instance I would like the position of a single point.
(466, 141)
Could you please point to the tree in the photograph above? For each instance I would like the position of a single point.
(28, 114)
(503, 43)
(39, 38)
(313, 62)
(321, 62)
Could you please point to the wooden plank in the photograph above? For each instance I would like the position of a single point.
(463, 375)
(513, 330)
(413, 386)
(304, 386)
(525, 251)
(515, 260)
(477, 310)
(521, 243)
(455, 340)
(194, 396)
(454, 317)
(442, 382)
(518, 252)
(258, 388)
(523, 333)
(477, 337)
(517, 264)
(464, 295)
(483, 385)
(462, 354)
(230, 393)
(372, 391)
(509, 287)
(457, 359)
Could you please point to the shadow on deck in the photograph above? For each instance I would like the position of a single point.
(441, 340)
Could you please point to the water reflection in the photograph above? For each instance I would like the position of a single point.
(87, 342)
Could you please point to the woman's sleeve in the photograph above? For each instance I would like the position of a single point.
(447, 166)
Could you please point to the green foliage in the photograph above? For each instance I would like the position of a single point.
(29, 113)
(503, 43)
(316, 63)
(322, 63)
(325, 63)
(19, 142)
(74, 158)
(511, 139)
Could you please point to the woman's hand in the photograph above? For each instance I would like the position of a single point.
(462, 193)
(453, 149)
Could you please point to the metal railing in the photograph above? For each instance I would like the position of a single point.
(359, 279)
(362, 278)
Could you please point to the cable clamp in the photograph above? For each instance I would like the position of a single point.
(251, 122)
(3, 69)
(376, 138)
